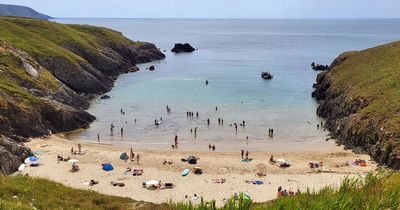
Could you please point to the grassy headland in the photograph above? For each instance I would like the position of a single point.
(360, 97)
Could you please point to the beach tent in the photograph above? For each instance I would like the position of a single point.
(192, 160)
(124, 156)
(281, 160)
(31, 159)
(107, 167)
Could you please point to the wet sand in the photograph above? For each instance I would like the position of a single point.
(215, 165)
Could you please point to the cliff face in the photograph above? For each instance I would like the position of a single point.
(359, 97)
(49, 72)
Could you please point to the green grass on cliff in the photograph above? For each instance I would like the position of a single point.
(24, 193)
(42, 39)
(374, 75)
(376, 191)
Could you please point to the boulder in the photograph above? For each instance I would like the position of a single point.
(152, 68)
(12, 154)
(178, 48)
(105, 97)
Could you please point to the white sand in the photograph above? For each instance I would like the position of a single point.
(215, 165)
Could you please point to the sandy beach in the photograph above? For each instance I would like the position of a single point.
(215, 165)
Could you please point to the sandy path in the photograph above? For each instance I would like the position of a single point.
(215, 165)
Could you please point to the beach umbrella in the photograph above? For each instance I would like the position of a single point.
(73, 161)
(31, 159)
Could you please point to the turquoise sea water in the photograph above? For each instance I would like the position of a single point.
(231, 54)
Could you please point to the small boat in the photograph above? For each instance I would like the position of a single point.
(266, 75)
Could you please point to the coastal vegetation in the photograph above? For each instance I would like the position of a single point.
(377, 191)
(360, 99)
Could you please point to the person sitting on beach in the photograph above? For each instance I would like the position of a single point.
(75, 167)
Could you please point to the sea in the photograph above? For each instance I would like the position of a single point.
(231, 54)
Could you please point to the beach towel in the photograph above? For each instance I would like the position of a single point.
(107, 167)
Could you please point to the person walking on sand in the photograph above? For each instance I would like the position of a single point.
(72, 150)
(79, 148)
(137, 159)
(242, 152)
(132, 155)
(247, 154)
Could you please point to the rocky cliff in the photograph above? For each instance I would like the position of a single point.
(360, 99)
(49, 73)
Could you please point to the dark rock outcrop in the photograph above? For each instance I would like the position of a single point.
(319, 67)
(179, 48)
(12, 154)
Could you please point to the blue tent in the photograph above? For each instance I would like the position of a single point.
(107, 167)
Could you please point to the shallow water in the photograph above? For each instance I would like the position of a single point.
(231, 54)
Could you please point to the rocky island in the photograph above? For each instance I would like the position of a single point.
(179, 48)
(359, 97)
(50, 72)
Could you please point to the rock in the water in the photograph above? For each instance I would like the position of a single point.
(152, 68)
(319, 67)
(178, 48)
(105, 97)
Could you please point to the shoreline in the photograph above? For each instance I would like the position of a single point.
(216, 165)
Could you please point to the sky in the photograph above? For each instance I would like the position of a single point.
(214, 8)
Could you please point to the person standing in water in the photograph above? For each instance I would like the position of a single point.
(208, 121)
(216, 108)
(176, 141)
(98, 137)
(219, 121)
(244, 123)
(197, 114)
(206, 82)
(122, 131)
